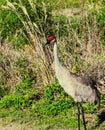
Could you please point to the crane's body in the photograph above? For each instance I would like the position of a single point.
(75, 86)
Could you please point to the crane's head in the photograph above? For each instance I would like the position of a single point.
(50, 40)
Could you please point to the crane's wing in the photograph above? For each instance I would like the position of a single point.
(86, 89)
(85, 80)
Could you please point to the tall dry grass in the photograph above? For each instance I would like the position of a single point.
(35, 35)
(86, 55)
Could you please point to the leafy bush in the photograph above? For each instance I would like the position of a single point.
(57, 107)
(90, 108)
(2, 91)
(55, 101)
(27, 88)
(25, 95)
(52, 93)
(15, 101)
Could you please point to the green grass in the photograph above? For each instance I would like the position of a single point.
(44, 122)
(56, 110)
(30, 118)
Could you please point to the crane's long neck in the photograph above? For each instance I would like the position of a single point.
(56, 54)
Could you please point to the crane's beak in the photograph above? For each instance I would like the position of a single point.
(45, 44)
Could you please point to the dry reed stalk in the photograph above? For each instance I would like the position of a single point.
(32, 32)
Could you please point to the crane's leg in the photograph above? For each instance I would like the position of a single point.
(83, 117)
(78, 115)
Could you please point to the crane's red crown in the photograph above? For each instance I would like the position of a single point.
(50, 38)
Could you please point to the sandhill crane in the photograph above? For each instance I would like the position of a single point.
(80, 89)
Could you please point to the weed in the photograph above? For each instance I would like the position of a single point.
(2, 91)
(55, 101)
(53, 92)
(26, 87)
(15, 101)
(90, 108)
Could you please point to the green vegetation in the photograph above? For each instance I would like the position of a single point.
(29, 92)
(55, 104)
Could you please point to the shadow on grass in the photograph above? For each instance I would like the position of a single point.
(101, 119)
